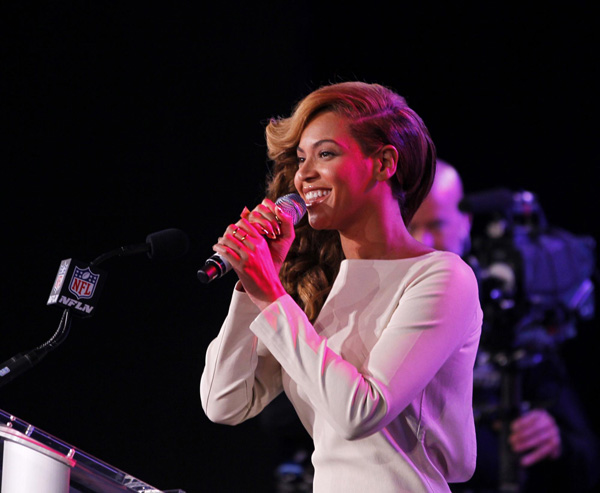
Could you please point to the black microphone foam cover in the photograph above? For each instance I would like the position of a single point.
(166, 244)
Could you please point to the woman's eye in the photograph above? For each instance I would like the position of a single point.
(301, 159)
(326, 154)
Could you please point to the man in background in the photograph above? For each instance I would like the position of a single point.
(556, 448)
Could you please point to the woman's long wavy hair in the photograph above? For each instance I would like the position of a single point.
(377, 116)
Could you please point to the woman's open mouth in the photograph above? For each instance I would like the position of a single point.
(313, 197)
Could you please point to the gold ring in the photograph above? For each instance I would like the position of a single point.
(233, 233)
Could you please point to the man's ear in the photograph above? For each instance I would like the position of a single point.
(386, 162)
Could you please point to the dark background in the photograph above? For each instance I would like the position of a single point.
(120, 119)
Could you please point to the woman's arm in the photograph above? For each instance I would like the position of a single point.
(240, 376)
(432, 320)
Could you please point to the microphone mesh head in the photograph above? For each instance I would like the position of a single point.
(293, 204)
(168, 243)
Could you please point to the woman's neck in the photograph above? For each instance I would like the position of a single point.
(381, 237)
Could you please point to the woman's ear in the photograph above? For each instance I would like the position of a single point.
(386, 162)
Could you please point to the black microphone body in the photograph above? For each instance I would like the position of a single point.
(12, 368)
(216, 266)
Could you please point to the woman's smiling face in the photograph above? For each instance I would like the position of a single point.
(334, 176)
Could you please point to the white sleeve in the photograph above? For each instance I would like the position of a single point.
(437, 312)
(240, 376)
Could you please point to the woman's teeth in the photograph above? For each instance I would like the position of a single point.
(316, 194)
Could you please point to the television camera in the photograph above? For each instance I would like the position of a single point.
(535, 280)
(536, 284)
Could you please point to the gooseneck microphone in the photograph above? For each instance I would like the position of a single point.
(216, 266)
(78, 284)
(165, 244)
(77, 288)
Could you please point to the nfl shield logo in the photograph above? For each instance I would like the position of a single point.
(83, 283)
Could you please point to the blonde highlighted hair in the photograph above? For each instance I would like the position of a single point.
(377, 116)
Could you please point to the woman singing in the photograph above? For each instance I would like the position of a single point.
(371, 334)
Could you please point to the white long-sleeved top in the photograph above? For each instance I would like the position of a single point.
(382, 381)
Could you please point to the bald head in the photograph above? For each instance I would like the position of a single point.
(447, 183)
(438, 222)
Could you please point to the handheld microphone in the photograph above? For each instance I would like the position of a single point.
(216, 266)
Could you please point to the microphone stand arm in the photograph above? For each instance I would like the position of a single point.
(21, 362)
(16, 365)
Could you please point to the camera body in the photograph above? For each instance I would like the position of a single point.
(535, 280)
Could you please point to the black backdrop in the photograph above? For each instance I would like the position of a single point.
(125, 118)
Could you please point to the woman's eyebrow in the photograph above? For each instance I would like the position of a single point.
(318, 143)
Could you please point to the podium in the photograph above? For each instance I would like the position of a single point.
(33, 461)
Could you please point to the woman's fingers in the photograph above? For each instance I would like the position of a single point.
(264, 226)
(264, 219)
(232, 243)
(285, 221)
(253, 232)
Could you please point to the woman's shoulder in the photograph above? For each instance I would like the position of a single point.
(430, 258)
(433, 262)
(430, 262)
(442, 258)
(448, 264)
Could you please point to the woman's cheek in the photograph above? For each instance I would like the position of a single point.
(297, 182)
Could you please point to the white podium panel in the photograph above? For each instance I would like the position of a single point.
(29, 466)
(33, 461)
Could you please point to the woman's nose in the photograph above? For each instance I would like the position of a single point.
(307, 170)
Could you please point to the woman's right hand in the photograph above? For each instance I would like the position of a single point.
(256, 247)
(276, 226)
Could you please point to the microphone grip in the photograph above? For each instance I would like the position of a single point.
(215, 267)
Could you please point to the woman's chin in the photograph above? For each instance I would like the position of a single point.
(317, 222)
